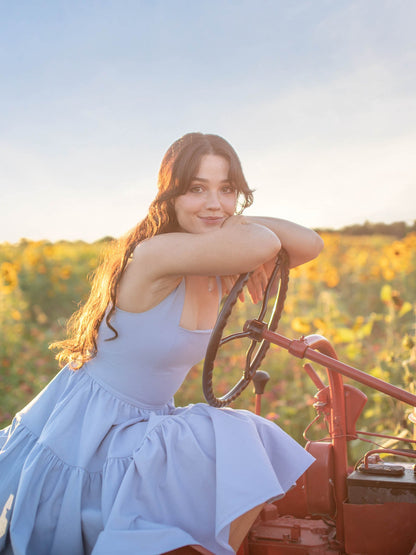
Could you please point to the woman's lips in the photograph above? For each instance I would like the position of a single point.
(212, 220)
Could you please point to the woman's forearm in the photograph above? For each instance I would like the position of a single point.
(302, 244)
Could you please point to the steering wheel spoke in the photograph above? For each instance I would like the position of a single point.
(233, 336)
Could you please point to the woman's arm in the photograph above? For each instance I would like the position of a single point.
(240, 245)
(301, 243)
(158, 263)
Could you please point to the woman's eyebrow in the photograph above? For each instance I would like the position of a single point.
(203, 180)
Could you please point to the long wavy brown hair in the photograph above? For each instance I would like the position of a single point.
(179, 166)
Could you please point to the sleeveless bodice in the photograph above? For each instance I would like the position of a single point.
(152, 354)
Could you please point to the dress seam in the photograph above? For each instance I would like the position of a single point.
(121, 397)
(47, 447)
(44, 446)
(65, 463)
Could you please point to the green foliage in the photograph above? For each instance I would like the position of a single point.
(395, 229)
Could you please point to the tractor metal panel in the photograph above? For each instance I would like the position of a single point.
(385, 529)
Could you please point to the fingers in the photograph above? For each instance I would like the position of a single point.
(228, 283)
(257, 284)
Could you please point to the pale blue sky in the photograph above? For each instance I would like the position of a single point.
(318, 97)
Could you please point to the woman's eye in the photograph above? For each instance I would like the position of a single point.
(195, 189)
(228, 189)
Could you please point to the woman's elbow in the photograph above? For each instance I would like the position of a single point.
(270, 248)
(310, 250)
(318, 245)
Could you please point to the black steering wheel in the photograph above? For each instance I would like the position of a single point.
(280, 277)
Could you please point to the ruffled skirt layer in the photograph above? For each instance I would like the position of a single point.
(84, 470)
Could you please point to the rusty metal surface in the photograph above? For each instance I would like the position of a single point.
(386, 529)
(365, 489)
(292, 536)
(319, 479)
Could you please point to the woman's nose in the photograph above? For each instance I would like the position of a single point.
(213, 201)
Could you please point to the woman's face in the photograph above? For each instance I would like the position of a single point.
(210, 199)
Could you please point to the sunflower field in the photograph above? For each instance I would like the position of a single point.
(360, 294)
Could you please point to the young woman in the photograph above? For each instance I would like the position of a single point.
(101, 461)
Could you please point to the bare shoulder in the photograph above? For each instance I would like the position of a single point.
(140, 287)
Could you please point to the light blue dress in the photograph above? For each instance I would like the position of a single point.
(102, 462)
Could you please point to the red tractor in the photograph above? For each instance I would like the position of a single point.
(334, 509)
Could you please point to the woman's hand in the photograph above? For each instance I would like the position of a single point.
(256, 284)
(227, 283)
